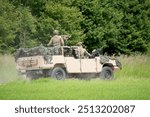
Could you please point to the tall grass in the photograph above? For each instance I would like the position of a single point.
(132, 82)
(134, 67)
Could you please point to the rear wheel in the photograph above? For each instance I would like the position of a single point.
(107, 73)
(58, 73)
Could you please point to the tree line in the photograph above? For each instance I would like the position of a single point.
(116, 26)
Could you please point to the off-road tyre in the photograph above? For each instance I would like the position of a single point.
(107, 73)
(58, 73)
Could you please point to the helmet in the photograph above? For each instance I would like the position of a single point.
(56, 32)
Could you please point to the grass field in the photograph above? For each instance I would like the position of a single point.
(131, 83)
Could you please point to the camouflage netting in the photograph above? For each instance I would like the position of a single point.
(47, 52)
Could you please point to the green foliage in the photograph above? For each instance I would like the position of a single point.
(36, 6)
(61, 17)
(117, 26)
(17, 27)
(26, 28)
(7, 25)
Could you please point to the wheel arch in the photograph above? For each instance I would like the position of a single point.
(60, 65)
(108, 65)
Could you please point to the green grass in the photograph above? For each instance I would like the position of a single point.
(135, 67)
(131, 83)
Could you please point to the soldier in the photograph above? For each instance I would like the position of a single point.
(56, 40)
(83, 52)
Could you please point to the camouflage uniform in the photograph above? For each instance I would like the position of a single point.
(83, 52)
(56, 40)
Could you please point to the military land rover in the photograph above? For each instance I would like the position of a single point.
(63, 62)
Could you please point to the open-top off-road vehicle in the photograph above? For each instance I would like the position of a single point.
(63, 62)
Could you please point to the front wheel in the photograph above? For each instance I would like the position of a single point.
(58, 73)
(107, 73)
